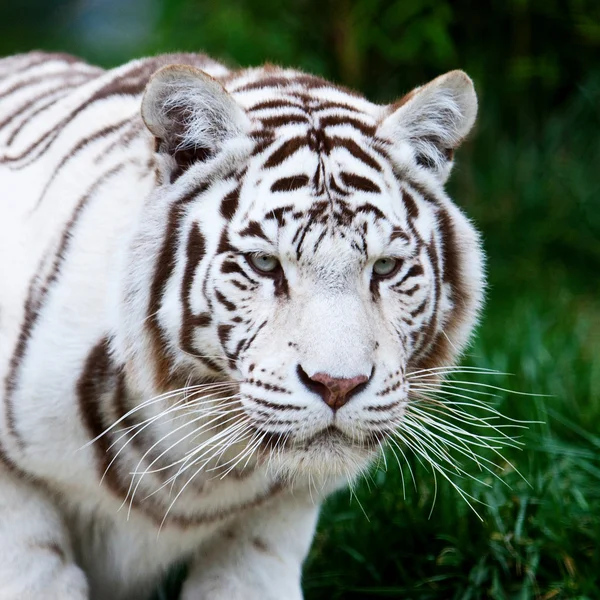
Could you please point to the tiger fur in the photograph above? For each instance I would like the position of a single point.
(196, 342)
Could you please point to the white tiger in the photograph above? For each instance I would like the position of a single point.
(211, 293)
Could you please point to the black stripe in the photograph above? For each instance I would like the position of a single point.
(165, 263)
(353, 148)
(360, 183)
(81, 145)
(287, 149)
(34, 305)
(229, 204)
(289, 184)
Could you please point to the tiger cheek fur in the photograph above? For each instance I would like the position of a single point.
(214, 284)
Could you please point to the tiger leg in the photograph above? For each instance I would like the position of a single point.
(258, 558)
(36, 558)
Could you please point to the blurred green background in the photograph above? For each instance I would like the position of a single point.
(529, 177)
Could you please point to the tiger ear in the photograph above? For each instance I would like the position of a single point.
(190, 114)
(434, 119)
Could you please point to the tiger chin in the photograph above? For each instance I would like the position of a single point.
(214, 285)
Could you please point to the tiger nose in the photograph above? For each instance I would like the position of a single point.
(334, 391)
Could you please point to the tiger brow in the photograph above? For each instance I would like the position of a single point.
(398, 234)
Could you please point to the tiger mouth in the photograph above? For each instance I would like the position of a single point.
(329, 436)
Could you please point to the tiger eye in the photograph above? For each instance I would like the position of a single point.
(385, 266)
(264, 263)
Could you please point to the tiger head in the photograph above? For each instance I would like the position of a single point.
(300, 244)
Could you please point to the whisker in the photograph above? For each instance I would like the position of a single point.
(468, 452)
(500, 389)
(419, 450)
(458, 369)
(442, 407)
(447, 384)
(154, 400)
(214, 416)
(391, 440)
(203, 429)
(147, 423)
(177, 497)
(479, 404)
(210, 414)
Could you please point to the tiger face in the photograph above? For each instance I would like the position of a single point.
(311, 255)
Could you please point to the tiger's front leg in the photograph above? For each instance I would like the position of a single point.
(259, 557)
(36, 558)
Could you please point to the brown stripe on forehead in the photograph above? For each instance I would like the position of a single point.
(262, 140)
(229, 204)
(287, 149)
(254, 229)
(281, 81)
(300, 235)
(278, 214)
(225, 244)
(332, 104)
(283, 120)
(165, 263)
(411, 206)
(353, 148)
(398, 234)
(359, 183)
(369, 209)
(263, 82)
(314, 82)
(404, 179)
(289, 184)
(334, 120)
(334, 187)
(274, 104)
(296, 79)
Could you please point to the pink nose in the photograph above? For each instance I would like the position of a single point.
(334, 391)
